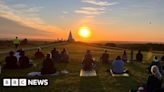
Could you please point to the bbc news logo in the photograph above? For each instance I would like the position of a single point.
(23, 82)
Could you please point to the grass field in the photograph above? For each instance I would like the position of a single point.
(72, 82)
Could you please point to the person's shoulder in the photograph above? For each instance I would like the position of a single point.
(7, 57)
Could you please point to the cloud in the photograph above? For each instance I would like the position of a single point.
(27, 16)
(90, 10)
(99, 3)
(100, 7)
(65, 12)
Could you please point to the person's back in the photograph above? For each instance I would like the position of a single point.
(24, 61)
(11, 61)
(64, 56)
(88, 62)
(139, 56)
(55, 55)
(39, 54)
(48, 66)
(118, 66)
(105, 57)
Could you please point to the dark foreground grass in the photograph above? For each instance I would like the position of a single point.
(72, 82)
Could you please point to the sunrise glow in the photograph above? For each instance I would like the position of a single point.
(84, 32)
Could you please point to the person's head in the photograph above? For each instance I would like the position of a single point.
(39, 49)
(155, 58)
(11, 53)
(16, 37)
(106, 51)
(155, 72)
(48, 56)
(118, 58)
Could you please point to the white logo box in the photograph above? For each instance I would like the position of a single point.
(14, 82)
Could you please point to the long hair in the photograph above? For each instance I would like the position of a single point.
(155, 71)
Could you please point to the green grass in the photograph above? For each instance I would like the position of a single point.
(72, 82)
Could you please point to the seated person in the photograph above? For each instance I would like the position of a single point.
(125, 57)
(55, 55)
(48, 66)
(64, 56)
(139, 56)
(11, 61)
(105, 57)
(155, 62)
(154, 82)
(118, 66)
(39, 53)
(88, 63)
(24, 61)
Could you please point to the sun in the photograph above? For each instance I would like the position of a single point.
(84, 32)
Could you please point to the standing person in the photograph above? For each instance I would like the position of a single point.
(105, 57)
(139, 56)
(16, 42)
(124, 56)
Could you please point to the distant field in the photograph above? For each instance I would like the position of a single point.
(72, 82)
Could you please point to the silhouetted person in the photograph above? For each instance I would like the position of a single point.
(11, 61)
(48, 66)
(139, 56)
(155, 62)
(64, 56)
(16, 42)
(105, 57)
(88, 64)
(24, 61)
(154, 82)
(124, 56)
(118, 66)
(55, 55)
(39, 53)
